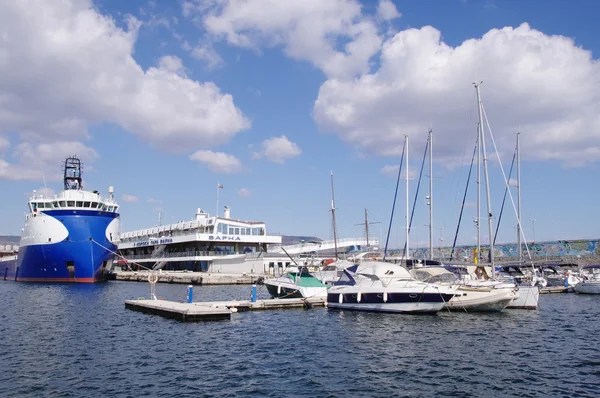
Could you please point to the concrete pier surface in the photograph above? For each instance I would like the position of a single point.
(189, 278)
(216, 310)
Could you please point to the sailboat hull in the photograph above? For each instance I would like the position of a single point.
(527, 300)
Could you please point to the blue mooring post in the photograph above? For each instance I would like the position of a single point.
(254, 293)
(190, 293)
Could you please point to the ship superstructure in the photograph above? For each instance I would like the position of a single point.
(204, 244)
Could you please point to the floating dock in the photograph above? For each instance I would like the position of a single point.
(189, 278)
(216, 310)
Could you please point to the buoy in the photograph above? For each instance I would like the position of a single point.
(278, 290)
(341, 298)
(385, 297)
(358, 297)
(153, 278)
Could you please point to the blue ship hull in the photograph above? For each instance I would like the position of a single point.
(83, 256)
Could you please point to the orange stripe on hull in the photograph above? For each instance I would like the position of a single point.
(70, 280)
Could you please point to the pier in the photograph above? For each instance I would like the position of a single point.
(217, 310)
(189, 278)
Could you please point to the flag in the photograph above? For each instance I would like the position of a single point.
(219, 186)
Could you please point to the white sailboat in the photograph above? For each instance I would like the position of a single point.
(528, 296)
(471, 295)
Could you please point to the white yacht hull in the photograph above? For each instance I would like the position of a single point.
(528, 298)
(391, 307)
(588, 287)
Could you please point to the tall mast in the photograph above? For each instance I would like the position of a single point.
(430, 194)
(367, 227)
(478, 187)
(333, 219)
(487, 183)
(519, 248)
(407, 218)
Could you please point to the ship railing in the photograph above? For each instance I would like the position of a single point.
(178, 254)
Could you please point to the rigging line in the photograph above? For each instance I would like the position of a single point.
(118, 255)
(462, 207)
(417, 192)
(394, 204)
(504, 198)
(506, 182)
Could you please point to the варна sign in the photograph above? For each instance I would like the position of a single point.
(213, 237)
(154, 242)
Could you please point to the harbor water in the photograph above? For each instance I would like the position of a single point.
(62, 340)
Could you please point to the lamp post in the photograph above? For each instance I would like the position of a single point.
(533, 228)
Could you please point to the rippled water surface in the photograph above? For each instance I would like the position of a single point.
(80, 341)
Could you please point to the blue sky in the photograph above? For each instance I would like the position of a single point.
(166, 99)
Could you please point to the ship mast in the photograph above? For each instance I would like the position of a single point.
(72, 173)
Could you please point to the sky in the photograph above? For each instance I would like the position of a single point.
(164, 100)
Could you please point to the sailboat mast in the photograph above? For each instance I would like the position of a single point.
(333, 219)
(430, 194)
(519, 248)
(367, 227)
(478, 215)
(407, 218)
(487, 182)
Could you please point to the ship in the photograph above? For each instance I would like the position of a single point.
(204, 244)
(68, 237)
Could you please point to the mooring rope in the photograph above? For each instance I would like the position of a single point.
(120, 256)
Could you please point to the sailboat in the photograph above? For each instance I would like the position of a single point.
(529, 293)
(471, 295)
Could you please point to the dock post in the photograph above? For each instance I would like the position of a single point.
(254, 293)
(190, 293)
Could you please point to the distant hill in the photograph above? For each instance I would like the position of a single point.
(294, 240)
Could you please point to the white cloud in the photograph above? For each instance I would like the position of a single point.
(219, 162)
(152, 200)
(545, 84)
(206, 52)
(389, 169)
(74, 67)
(36, 162)
(172, 64)
(277, 149)
(244, 192)
(130, 198)
(386, 10)
(393, 170)
(307, 30)
(4, 144)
